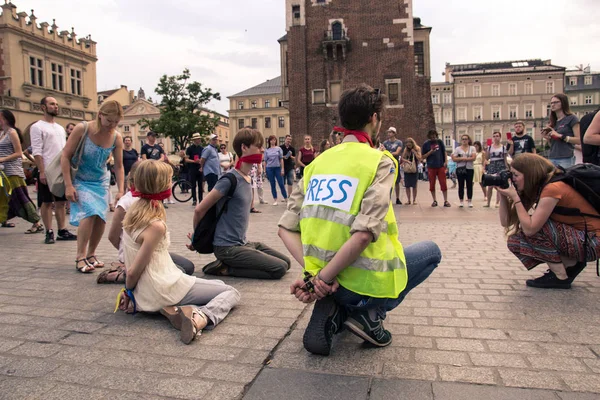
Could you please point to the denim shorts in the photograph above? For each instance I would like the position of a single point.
(288, 178)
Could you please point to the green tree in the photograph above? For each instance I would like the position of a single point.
(180, 107)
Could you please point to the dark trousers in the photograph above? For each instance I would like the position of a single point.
(196, 178)
(253, 260)
(211, 181)
(468, 179)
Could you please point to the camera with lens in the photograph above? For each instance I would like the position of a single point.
(501, 179)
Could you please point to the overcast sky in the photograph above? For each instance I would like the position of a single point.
(231, 45)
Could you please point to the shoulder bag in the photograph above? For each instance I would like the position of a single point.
(54, 175)
(410, 167)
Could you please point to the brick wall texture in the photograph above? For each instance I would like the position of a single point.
(366, 22)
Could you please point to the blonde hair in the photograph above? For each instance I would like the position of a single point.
(111, 108)
(130, 176)
(415, 146)
(151, 177)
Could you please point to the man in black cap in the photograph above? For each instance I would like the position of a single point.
(151, 150)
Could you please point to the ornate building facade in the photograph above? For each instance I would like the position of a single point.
(38, 60)
(334, 45)
(583, 88)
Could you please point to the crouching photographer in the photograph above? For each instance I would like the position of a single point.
(547, 220)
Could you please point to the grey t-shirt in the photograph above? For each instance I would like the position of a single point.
(558, 148)
(233, 224)
(460, 152)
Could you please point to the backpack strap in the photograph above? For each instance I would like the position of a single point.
(233, 181)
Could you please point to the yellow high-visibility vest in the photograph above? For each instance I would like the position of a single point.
(335, 184)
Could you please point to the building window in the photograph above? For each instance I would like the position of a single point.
(267, 122)
(279, 103)
(588, 99)
(573, 101)
(57, 77)
(587, 80)
(435, 99)
(447, 116)
(318, 96)
(281, 141)
(296, 11)
(476, 90)
(267, 103)
(241, 123)
(460, 91)
(478, 135)
(495, 112)
(528, 110)
(529, 131)
(437, 116)
(495, 90)
(548, 110)
(76, 82)
(240, 105)
(36, 69)
(529, 88)
(448, 141)
(393, 91)
(447, 98)
(461, 114)
(419, 59)
(512, 112)
(335, 91)
(549, 87)
(282, 122)
(573, 80)
(126, 128)
(254, 123)
(512, 89)
(477, 113)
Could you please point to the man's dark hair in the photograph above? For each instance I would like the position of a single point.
(43, 100)
(432, 132)
(358, 105)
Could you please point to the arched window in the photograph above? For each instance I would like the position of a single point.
(336, 29)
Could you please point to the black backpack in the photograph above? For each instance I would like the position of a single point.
(204, 233)
(591, 153)
(585, 179)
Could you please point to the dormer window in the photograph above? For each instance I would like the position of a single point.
(336, 30)
(296, 11)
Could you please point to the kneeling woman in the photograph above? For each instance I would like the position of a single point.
(544, 236)
(191, 304)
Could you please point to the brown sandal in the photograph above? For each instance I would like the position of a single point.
(189, 328)
(172, 314)
(117, 277)
(86, 268)
(95, 263)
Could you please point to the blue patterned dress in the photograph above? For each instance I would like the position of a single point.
(92, 182)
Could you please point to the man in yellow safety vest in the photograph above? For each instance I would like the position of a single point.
(341, 228)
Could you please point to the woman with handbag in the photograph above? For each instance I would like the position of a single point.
(411, 157)
(464, 155)
(87, 188)
(14, 198)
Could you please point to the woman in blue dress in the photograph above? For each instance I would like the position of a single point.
(88, 189)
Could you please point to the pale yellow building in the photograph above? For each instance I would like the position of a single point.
(261, 107)
(124, 96)
(37, 60)
(222, 130)
(491, 97)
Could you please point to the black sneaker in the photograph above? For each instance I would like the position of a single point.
(326, 320)
(194, 203)
(575, 270)
(64, 234)
(371, 331)
(49, 237)
(549, 281)
(398, 202)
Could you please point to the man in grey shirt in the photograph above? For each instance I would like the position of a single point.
(209, 163)
(236, 256)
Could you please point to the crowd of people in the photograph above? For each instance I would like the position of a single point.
(338, 223)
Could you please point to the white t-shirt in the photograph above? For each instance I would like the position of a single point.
(225, 158)
(460, 152)
(125, 202)
(47, 140)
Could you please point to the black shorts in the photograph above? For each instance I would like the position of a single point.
(45, 196)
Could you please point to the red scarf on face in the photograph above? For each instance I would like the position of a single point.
(363, 137)
(252, 159)
(153, 197)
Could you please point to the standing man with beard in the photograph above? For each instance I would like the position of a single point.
(209, 163)
(521, 142)
(48, 139)
(192, 158)
(289, 161)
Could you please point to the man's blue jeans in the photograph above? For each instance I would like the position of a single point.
(421, 259)
(563, 162)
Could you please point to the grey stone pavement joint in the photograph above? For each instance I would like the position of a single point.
(473, 330)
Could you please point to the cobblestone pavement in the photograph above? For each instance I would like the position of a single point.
(473, 321)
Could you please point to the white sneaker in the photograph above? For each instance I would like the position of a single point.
(470, 204)
(462, 204)
(284, 200)
(275, 203)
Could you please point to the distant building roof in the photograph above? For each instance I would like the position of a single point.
(272, 86)
(504, 67)
(107, 93)
(283, 38)
(580, 73)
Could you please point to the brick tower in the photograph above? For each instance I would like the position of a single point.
(333, 45)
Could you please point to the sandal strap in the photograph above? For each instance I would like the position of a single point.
(86, 268)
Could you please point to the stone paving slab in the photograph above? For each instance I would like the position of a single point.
(473, 321)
